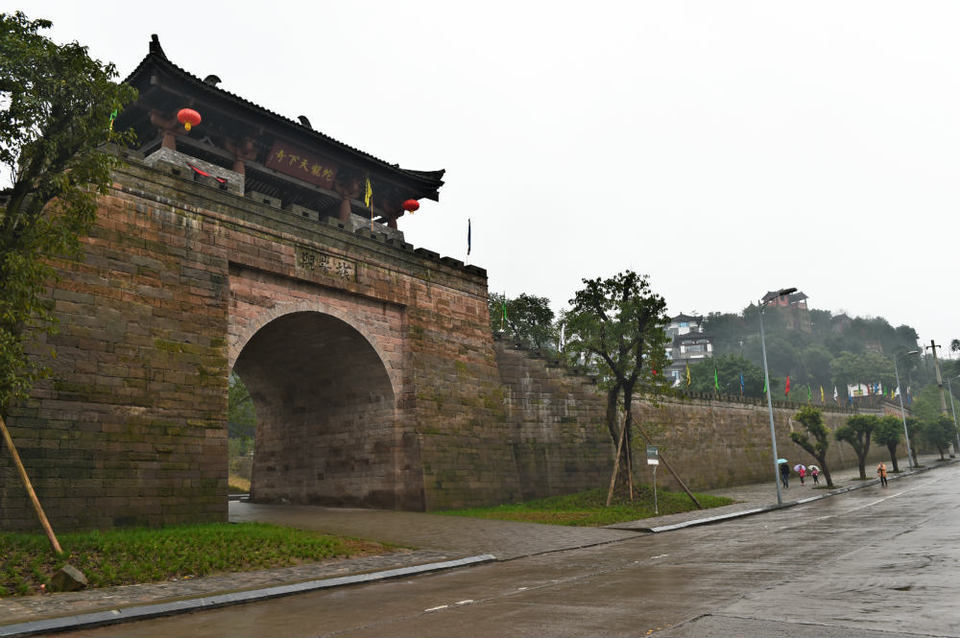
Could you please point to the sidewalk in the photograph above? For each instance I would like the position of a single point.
(445, 542)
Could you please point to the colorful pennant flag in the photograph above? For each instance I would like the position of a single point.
(741, 384)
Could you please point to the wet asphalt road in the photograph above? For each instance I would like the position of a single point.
(872, 562)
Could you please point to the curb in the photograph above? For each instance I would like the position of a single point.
(143, 612)
(767, 508)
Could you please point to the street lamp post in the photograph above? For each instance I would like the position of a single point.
(903, 416)
(766, 377)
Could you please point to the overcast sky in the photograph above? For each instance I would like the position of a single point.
(723, 148)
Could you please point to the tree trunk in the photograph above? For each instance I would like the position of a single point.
(826, 475)
(893, 456)
(628, 447)
(612, 420)
(824, 469)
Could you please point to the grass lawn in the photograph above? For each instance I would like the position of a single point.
(587, 509)
(125, 556)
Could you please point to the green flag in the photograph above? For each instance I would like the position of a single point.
(716, 379)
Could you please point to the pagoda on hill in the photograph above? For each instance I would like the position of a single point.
(246, 149)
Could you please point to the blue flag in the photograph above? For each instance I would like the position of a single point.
(741, 383)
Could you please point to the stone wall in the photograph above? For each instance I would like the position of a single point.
(563, 445)
(179, 282)
(371, 364)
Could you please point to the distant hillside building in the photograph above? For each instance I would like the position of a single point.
(795, 306)
(688, 345)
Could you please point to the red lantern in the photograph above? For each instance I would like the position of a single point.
(411, 205)
(188, 117)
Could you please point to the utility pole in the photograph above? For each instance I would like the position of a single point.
(936, 366)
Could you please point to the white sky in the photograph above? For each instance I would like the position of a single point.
(723, 148)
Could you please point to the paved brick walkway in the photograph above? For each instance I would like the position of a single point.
(429, 537)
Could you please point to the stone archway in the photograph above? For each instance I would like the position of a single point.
(328, 426)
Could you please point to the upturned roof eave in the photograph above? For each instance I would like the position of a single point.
(431, 181)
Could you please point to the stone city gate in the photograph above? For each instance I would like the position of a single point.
(254, 243)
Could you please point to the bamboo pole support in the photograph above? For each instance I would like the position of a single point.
(26, 483)
(675, 475)
(616, 461)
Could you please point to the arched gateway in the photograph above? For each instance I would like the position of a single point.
(329, 430)
(254, 243)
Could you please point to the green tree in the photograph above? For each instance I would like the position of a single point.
(940, 433)
(926, 405)
(530, 322)
(889, 432)
(867, 367)
(915, 432)
(728, 368)
(55, 112)
(812, 420)
(241, 416)
(857, 433)
(620, 322)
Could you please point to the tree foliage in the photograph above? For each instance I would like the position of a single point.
(55, 113)
(857, 432)
(241, 415)
(889, 432)
(829, 350)
(728, 369)
(620, 322)
(940, 432)
(527, 320)
(812, 421)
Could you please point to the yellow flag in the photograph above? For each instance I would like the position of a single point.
(821, 394)
(688, 376)
(367, 193)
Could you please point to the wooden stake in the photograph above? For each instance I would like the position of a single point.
(26, 483)
(629, 466)
(616, 461)
(675, 475)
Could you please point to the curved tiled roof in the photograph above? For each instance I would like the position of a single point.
(156, 57)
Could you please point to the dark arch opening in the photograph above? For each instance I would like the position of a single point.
(326, 414)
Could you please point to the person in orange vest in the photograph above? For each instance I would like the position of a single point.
(882, 473)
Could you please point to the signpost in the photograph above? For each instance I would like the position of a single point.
(653, 458)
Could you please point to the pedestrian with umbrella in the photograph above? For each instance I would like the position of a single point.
(800, 469)
(815, 473)
(784, 472)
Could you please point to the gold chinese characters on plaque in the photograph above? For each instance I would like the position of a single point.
(295, 162)
(324, 264)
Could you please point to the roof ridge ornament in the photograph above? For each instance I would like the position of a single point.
(155, 47)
